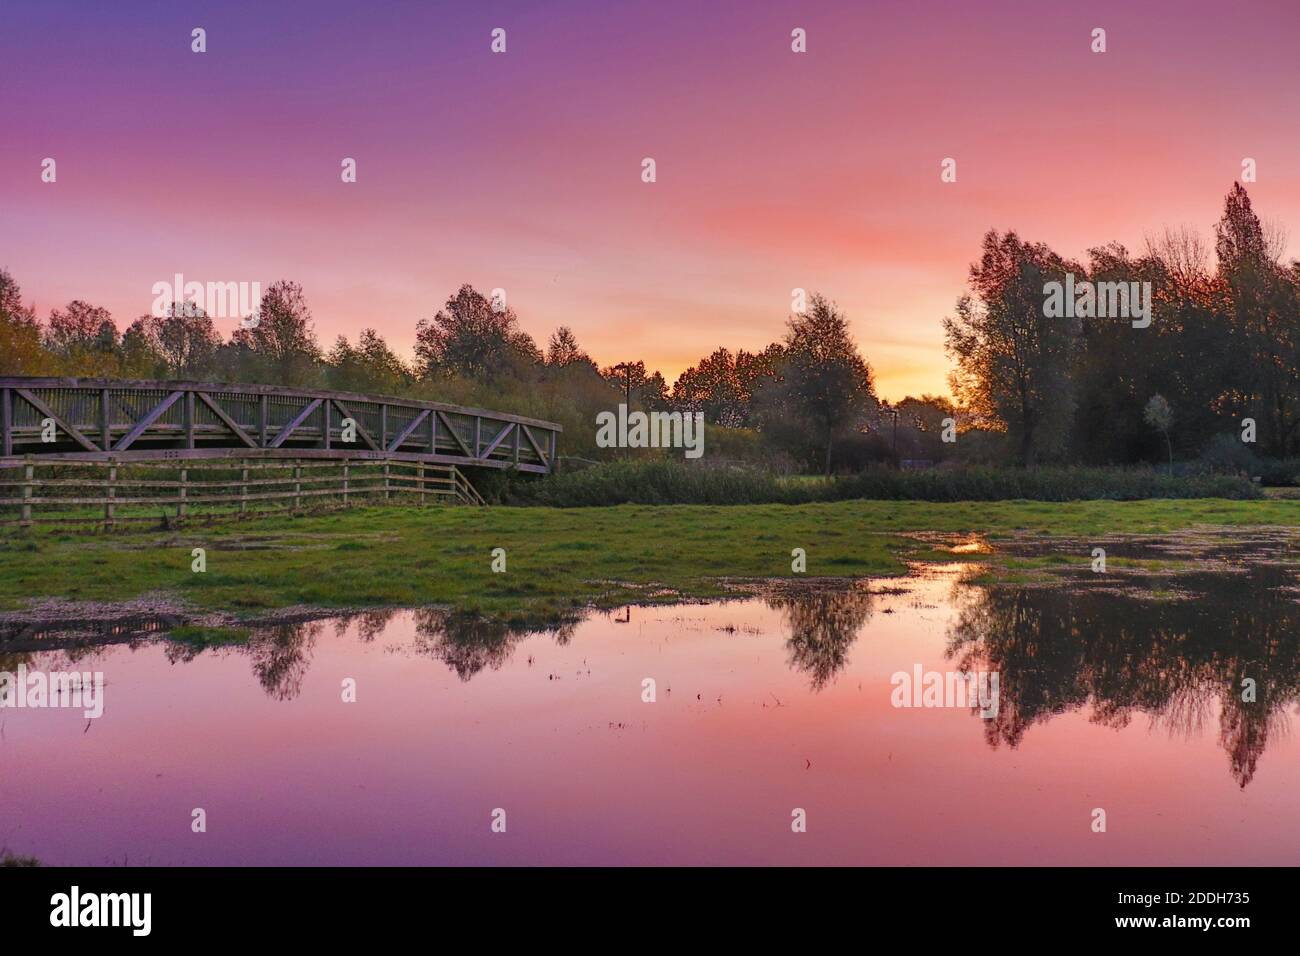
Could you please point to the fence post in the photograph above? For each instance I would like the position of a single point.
(386, 496)
(419, 477)
(112, 493)
(345, 482)
(297, 484)
(182, 508)
(28, 473)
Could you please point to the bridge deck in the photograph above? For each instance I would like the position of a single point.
(92, 419)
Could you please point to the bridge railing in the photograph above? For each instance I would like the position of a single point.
(89, 419)
(112, 492)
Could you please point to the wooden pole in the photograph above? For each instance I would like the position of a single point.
(419, 477)
(182, 507)
(243, 489)
(386, 495)
(297, 484)
(28, 473)
(345, 482)
(189, 419)
(112, 493)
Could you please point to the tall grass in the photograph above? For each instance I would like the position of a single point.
(668, 482)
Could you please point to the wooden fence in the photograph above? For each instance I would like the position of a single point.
(161, 491)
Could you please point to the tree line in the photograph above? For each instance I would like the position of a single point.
(1221, 350)
(806, 394)
(1030, 387)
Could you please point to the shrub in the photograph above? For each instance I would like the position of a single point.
(1227, 454)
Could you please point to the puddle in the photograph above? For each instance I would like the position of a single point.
(774, 701)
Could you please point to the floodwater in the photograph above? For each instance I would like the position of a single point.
(1108, 697)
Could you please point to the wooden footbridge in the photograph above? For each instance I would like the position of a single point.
(98, 418)
(186, 426)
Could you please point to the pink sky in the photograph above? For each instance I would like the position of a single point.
(522, 171)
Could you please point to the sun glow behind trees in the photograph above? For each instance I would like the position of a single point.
(1221, 342)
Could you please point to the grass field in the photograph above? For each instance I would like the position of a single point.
(556, 558)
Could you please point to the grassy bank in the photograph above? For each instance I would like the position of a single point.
(674, 482)
(556, 558)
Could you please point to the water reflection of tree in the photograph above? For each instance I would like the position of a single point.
(823, 623)
(468, 643)
(369, 624)
(281, 653)
(281, 656)
(1060, 649)
(11, 662)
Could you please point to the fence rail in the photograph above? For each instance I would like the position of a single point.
(112, 491)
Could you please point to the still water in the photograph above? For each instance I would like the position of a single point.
(1110, 696)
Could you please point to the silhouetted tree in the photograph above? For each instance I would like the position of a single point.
(81, 331)
(1014, 364)
(369, 367)
(563, 350)
(1264, 318)
(713, 387)
(468, 337)
(280, 346)
(821, 389)
(21, 350)
(185, 340)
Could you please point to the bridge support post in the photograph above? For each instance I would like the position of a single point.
(105, 421)
(7, 422)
